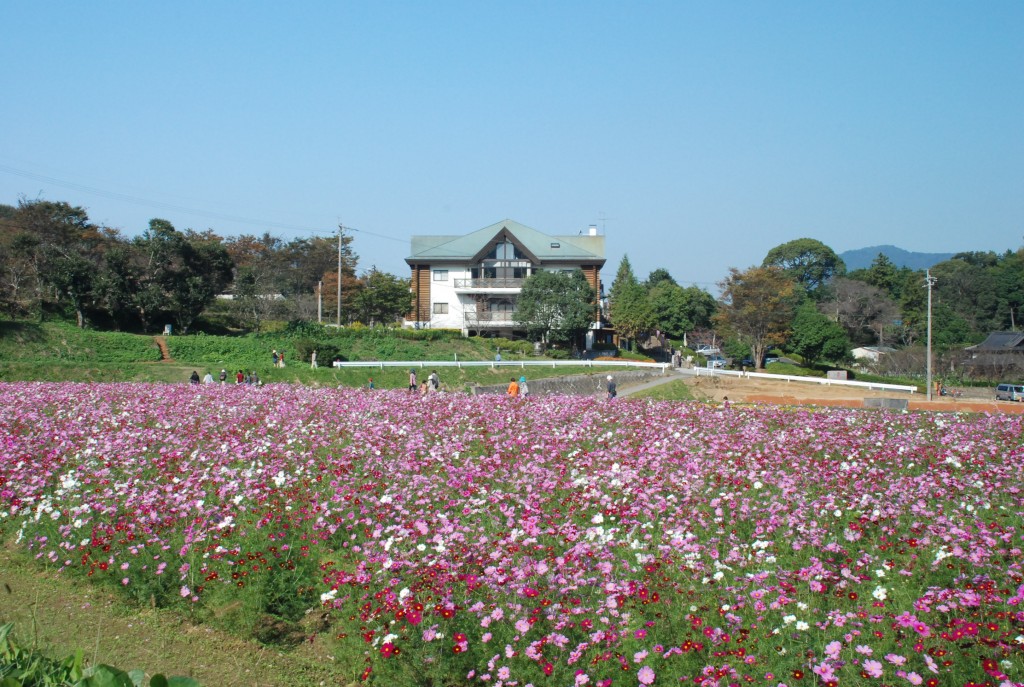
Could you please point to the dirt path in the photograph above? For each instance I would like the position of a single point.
(60, 613)
(165, 353)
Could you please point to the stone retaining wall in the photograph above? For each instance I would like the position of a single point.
(576, 385)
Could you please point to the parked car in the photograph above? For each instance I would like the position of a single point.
(705, 349)
(1010, 392)
(716, 361)
(769, 357)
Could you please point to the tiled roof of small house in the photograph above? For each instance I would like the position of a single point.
(1001, 341)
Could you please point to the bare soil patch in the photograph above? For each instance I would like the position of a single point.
(759, 390)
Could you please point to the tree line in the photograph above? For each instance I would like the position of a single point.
(53, 259)
(802, 297)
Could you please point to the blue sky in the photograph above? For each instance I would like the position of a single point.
(696, 135)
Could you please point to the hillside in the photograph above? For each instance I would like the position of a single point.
(861, 258)
(51, 351)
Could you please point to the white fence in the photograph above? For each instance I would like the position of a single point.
(664, 367)
(821, 381)
(522, 364)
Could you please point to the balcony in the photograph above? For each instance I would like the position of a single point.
(483, 284)
(490, 319)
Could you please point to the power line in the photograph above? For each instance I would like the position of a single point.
(114, 195)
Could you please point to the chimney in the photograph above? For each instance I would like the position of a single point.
(593, 230)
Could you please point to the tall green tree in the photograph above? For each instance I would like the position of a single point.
(808, 262)
(678, 310)
(758, 305)
(382, 298)
(631, 311)
(555, 306)
(659, 276)
(177, 274)
(59, 251)
(816, 337)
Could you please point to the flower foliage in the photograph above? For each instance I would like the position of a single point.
(548, 541)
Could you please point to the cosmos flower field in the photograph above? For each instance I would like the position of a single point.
(458, 540)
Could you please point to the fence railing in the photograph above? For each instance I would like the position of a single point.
(490, 283)
(821, 381)
(489, 317)
(522, 364)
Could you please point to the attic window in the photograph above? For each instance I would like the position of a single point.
(555, 244)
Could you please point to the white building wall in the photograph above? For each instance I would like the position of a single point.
(444, 292)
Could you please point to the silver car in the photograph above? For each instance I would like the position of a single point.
(1010, 392)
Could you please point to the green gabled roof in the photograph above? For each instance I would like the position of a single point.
(466, 247)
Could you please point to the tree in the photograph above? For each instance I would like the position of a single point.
(54, 254)
(678, 310)
(555, 306)
(177, 274)
(659, 276)
(809, 262)
(816, 337)
(882, 274)
(861, 308)
(757, 305)
(382, 298)
(631, 312)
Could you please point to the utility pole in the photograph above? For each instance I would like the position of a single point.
(341, 230)
(929, 281)
(320, 302)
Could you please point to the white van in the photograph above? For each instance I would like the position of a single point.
(1010, 392)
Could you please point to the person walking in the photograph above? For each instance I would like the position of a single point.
(412, 380)
(612, 391)
(312, 360)
(274, 357)
(208, 379)
(280, 359)
(434, 381)
(194, 379)
(223, 376)
(513, 388)
(524, 389)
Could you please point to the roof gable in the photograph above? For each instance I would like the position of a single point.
(540, 247)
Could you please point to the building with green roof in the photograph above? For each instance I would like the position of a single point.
(471, 282)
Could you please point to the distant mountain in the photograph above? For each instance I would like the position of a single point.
(862, 258)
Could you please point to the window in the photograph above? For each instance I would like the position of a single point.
(440, 308)
(505, 250)
(440, 275)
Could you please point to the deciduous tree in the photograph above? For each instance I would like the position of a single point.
(757, 305)
(381, 298)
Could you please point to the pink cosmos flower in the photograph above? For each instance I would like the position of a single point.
(872, 668)
(646, 676)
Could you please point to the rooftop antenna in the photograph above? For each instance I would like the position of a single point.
(603, 219)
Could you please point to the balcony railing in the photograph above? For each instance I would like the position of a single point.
(490, 283)
(496, 318)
